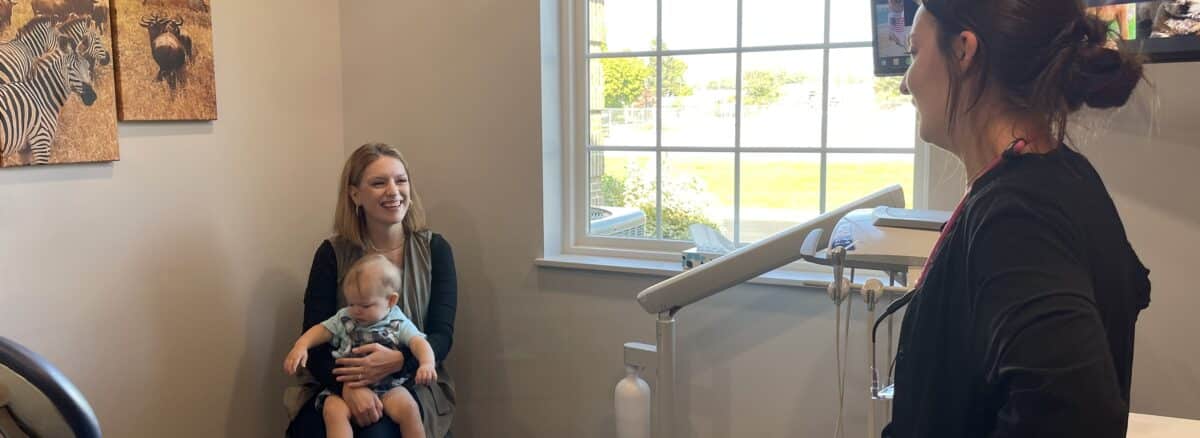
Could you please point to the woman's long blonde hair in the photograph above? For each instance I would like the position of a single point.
(347, 222)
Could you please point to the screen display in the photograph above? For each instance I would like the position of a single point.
(1163, 30)
(892, 21)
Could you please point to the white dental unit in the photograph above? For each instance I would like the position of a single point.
(872, 234)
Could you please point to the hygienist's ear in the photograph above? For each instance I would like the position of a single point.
(966, 47)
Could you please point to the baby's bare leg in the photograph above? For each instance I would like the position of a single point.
(337, 418)
(401, 408)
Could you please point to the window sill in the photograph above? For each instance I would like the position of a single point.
(664, 269)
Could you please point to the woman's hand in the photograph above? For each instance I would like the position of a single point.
(365, 406)
(374, 362)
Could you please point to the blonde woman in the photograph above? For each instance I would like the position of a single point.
(379, 212)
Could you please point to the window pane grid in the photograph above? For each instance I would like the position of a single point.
(658, 155)
(754, 149)
(737, 131)
(784, 48)
(663, 79)
(825, 113)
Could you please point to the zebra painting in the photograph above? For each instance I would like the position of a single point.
(92, 45)
(17, 56)
(29, 111)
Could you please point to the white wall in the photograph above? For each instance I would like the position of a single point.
(167, 285)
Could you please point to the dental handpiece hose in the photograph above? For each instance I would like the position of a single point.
(871, 292)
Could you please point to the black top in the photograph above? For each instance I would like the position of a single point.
(320, 303)
(1024, 326)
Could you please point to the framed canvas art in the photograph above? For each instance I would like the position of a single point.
(57, 96)
(164, 59)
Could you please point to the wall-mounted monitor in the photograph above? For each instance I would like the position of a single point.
(892, 21)
(1162, 30)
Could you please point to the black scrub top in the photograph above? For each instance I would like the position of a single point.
(1024, 325)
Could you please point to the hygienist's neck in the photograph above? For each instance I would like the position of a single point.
(995, 135)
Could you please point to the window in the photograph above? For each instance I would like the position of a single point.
(748, 116)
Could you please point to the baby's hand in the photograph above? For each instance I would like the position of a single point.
(426, 374)
(298, 357)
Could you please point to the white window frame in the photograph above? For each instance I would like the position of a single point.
(569, 158)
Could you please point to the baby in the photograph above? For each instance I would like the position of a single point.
(370, 316)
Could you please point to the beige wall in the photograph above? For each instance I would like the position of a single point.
(538, 350)
(167, 285)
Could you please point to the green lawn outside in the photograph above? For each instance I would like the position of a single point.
(790, 184)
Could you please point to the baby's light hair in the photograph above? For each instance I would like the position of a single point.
(388, 275)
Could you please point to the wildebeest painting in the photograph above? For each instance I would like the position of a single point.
(164, 58)
(57, 98)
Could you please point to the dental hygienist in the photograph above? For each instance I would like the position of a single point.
(1022, 324)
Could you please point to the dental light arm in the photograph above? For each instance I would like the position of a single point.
(751, 261)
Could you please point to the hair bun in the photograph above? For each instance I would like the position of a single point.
(1102, 77)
